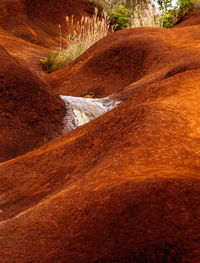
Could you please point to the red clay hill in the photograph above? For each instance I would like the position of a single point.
(37, 21)
(30, 113)
(126, 186)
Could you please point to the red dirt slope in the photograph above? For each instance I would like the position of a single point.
(30, 113)
(37, 21)
(31, 55)
(191, 19)
(126, 186)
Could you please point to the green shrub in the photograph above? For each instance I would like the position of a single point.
(121, 17)
(169, 19)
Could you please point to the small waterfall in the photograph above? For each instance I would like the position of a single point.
(82, 110)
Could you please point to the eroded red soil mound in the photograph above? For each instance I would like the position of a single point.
(30, 113)
(126, 186)
(37, 21)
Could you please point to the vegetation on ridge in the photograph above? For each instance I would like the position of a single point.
(118, 14)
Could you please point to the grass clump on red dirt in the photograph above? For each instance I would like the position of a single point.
(82, 34)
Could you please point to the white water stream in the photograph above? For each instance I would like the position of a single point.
(81, 110)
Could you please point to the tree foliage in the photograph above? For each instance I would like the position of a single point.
(171, 15)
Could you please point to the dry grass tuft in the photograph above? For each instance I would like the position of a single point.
(145, 15)
(82, 35)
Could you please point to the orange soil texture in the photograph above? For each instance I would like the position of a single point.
(124, 187)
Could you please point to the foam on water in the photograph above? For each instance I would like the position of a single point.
(81, 110)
